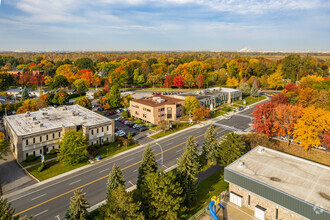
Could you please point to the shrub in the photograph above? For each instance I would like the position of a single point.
(97, 146)
(125, 114)
(42, 167)
(53, 151)
(131, 118)
(92, 150)
(226, 109)
(139, 121)
(106, 142)
(31, 158)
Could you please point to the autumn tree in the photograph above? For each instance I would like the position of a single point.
(307, 96)
(168, 81)
(78, 207)
(264, 118)
(200, 81)
(190, 104)
(73, 147)
(60, 98)
(322, 100)
(245, 88)
(188, 167)
(279, 98)
(178, 81)
(285, 118)
(326, 140)
(81, 85)
(232, 82)
(275, 80)
(311, 126)
(201, 112)
(84, 102)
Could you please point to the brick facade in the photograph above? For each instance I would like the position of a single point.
(283, 214)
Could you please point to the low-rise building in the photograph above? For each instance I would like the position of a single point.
(90, 93)
(157, 108)
(36, 133)
(278, 186)
(16, 93)
(39, 92)
(214, 97)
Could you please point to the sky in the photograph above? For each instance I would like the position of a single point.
(165, 25)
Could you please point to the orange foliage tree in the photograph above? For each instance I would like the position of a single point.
(201, 112)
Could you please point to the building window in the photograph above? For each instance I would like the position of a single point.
(107, 139)
(53, 136)
(59, 134)
(249, 199)
(27, 142)
(40, 138)
(92, 132)
(276, 214)
(34, 140)
(47, 137)
(107, 128)
(97, 130)
(34, 153)
(27, 154)
(47, 149)
(40, 151)
(102, 129)
(53, 147)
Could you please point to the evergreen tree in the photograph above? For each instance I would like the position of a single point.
(114, 96)
(188, 166)
(211, 145)
(148, 165)
(232, 147)
(25, 94)
(6, 212)
(104, 72)
(254, 90)
(115, 179)
(163, 196)
(120, 205)
(78, 207)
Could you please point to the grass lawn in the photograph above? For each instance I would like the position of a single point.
(250, 100)
(57, 167)
(211, 186)
(217, 113)
(38, 160)
(76, 98)
(162, 134)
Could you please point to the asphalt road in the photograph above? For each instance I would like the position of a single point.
(50, 200)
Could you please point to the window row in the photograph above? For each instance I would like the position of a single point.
(98, 129)
(41, 139)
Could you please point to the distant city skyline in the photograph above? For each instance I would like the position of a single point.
(167, 25)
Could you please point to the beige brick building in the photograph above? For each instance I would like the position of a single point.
(36, 133)
(157, 108)
(275, 185)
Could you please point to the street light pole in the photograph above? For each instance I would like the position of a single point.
(162, 158)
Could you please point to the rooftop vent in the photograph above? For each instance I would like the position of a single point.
(41, 124)
(34, 118)
(85, 117)
(64, 108)
(155, 98)
(45, 113)
(36, 122)
(241, 164)
(160, 100)
(261, 150)
(27, 114)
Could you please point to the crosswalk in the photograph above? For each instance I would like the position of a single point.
(227, 127)
(245, 116)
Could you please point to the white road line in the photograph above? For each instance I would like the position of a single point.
(159, 159)
(41, 213)
(135, 170)
(129, 160)
(131, 183)
(178, 151)
(38, 197)
(58, 217)
(199, 131)
(74, 182)
(104, 170)
(169, 143)
(165, 166)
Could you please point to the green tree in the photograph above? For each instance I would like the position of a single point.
(6, 80)
(291, 66)
(59, 81)
(254, 90)
(60, 98)
(25, 94)
(163, 196)
(3, 146)
(104, 72)
(190, 104)
(81, 85)
(73, 147)
(232, 147)
(211, 145)
(148, 165)
(84, 63)
(115, 179)
(129, 136)
(114, 98)
(84, 102)
(245, 88)
(136, 75)
(188, 166)
(78, 207)
(120, 205)
(141, 79)
(6, 211)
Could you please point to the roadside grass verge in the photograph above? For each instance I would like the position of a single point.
(212, 186)
(37, 160)
(55, 167)
(250, 100)
(179, 127)
(76, 98)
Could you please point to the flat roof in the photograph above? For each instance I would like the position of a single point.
(54, 118)
(306, 180)
(153, 103)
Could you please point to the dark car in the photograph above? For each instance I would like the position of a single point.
(111, 112)
(143, 129)
(131, 124)
(106, 114)
(116, 129)
(100, 109)
(137, 127)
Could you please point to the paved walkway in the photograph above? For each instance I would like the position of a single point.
(12, 176)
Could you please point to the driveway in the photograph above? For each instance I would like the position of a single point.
(12, 176)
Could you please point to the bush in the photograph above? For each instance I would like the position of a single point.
(226, 109)
(92, 150)
(42, 167)
(31, 158)
(106, 142)
(53, 151)
(125, 114)
(139, 121)
(97, 146)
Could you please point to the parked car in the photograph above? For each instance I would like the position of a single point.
(111, 112)
(127, 122)
(138, 127)
(120, 133)
(119, 119)
(131, 124)
(227, 117)
(123, 121)
(106, 114)
(143, 129)
(100, 109)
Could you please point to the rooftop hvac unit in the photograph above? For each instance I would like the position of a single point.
(45, 113)
(64, 108)
(85, 117)
(41, 124)
(155, 98)
(160, 100)
(261, 150)
(27, 114)
(241, 164)
(34, 118)
(36, 122)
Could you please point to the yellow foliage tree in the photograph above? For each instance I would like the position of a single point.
(310, 127)
(275, 80)
(310, 80)
(232, 82)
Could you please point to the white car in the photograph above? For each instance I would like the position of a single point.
(120, 133)
(227, 117)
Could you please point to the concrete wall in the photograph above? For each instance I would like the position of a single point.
(283, 213)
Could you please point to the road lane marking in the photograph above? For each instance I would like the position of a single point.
(165, 166)
(131, 183)
(74, 182)
(178, 151)
(96, 180)
(135, 170)
(38, 197)
(129, 160)
(169, 143)
(41, 213)
(58, 217)
(104, 170)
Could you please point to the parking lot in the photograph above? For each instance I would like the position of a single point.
(140, 137)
